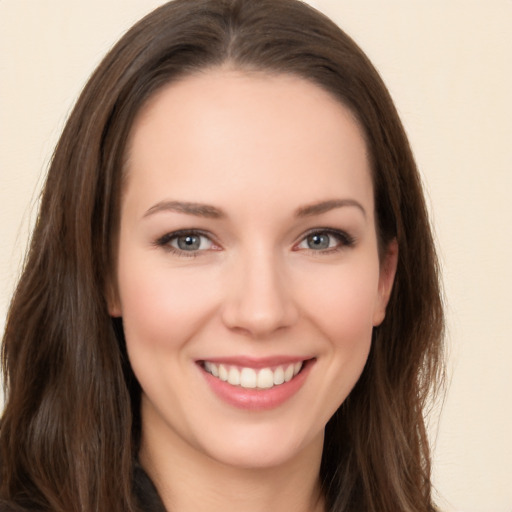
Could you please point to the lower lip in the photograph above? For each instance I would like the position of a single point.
(257, 399)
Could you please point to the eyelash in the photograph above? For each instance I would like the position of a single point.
(344, 240)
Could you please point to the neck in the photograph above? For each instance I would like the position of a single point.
(188, 481)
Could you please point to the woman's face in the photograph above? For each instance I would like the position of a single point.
(247, 252)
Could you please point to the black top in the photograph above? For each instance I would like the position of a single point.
(145, 493)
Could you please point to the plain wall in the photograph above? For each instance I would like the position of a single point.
(448, 67)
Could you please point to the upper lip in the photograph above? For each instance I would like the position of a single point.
(256, 363)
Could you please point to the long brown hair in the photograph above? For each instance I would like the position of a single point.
(70, 430)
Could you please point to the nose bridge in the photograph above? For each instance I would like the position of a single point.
(259, 299)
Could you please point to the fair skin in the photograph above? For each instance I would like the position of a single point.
(247, 241)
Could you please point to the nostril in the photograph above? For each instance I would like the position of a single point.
(259, 316)
(258, 300)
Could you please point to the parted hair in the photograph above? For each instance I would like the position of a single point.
(70, 430)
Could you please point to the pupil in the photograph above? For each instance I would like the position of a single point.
(318, 241)
(189, 242)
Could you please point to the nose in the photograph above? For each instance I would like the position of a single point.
(259, 298)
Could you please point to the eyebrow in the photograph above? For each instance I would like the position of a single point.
(197, 209)
(325, 206)
(212, 212)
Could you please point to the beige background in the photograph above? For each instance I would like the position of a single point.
(448, 66)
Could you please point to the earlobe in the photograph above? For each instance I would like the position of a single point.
(113, 303)
(386, 279)
(114, 311)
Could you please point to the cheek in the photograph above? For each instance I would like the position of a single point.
(162, 306)
(339, 303)
(342, 304)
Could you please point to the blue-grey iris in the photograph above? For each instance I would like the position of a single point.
(189, 242)
(318, 241)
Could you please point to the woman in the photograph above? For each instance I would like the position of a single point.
(231, 295)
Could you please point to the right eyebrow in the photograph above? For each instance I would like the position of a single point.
(325, 206)
(197, 209)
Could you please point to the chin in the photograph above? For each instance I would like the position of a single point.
(263, 447)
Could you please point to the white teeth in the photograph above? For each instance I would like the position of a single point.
(223, 373)
(288, 373)
(234, 376)
(211, 368)
(265, 378)
(278, 376)
(250, 378)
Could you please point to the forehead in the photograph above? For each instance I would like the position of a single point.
(258, 131)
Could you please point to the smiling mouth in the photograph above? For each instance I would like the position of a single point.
(250, 378)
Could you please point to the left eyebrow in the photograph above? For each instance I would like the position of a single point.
(197, 209)
(325, 206)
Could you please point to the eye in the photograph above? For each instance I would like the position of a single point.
(190, 242)
(325, 240)
(183, 241)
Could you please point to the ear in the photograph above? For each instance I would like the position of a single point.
(112, 298)
(386, 279)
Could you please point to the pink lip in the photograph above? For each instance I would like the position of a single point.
(257, 399)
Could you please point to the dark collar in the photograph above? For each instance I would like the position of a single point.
(145, 491)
